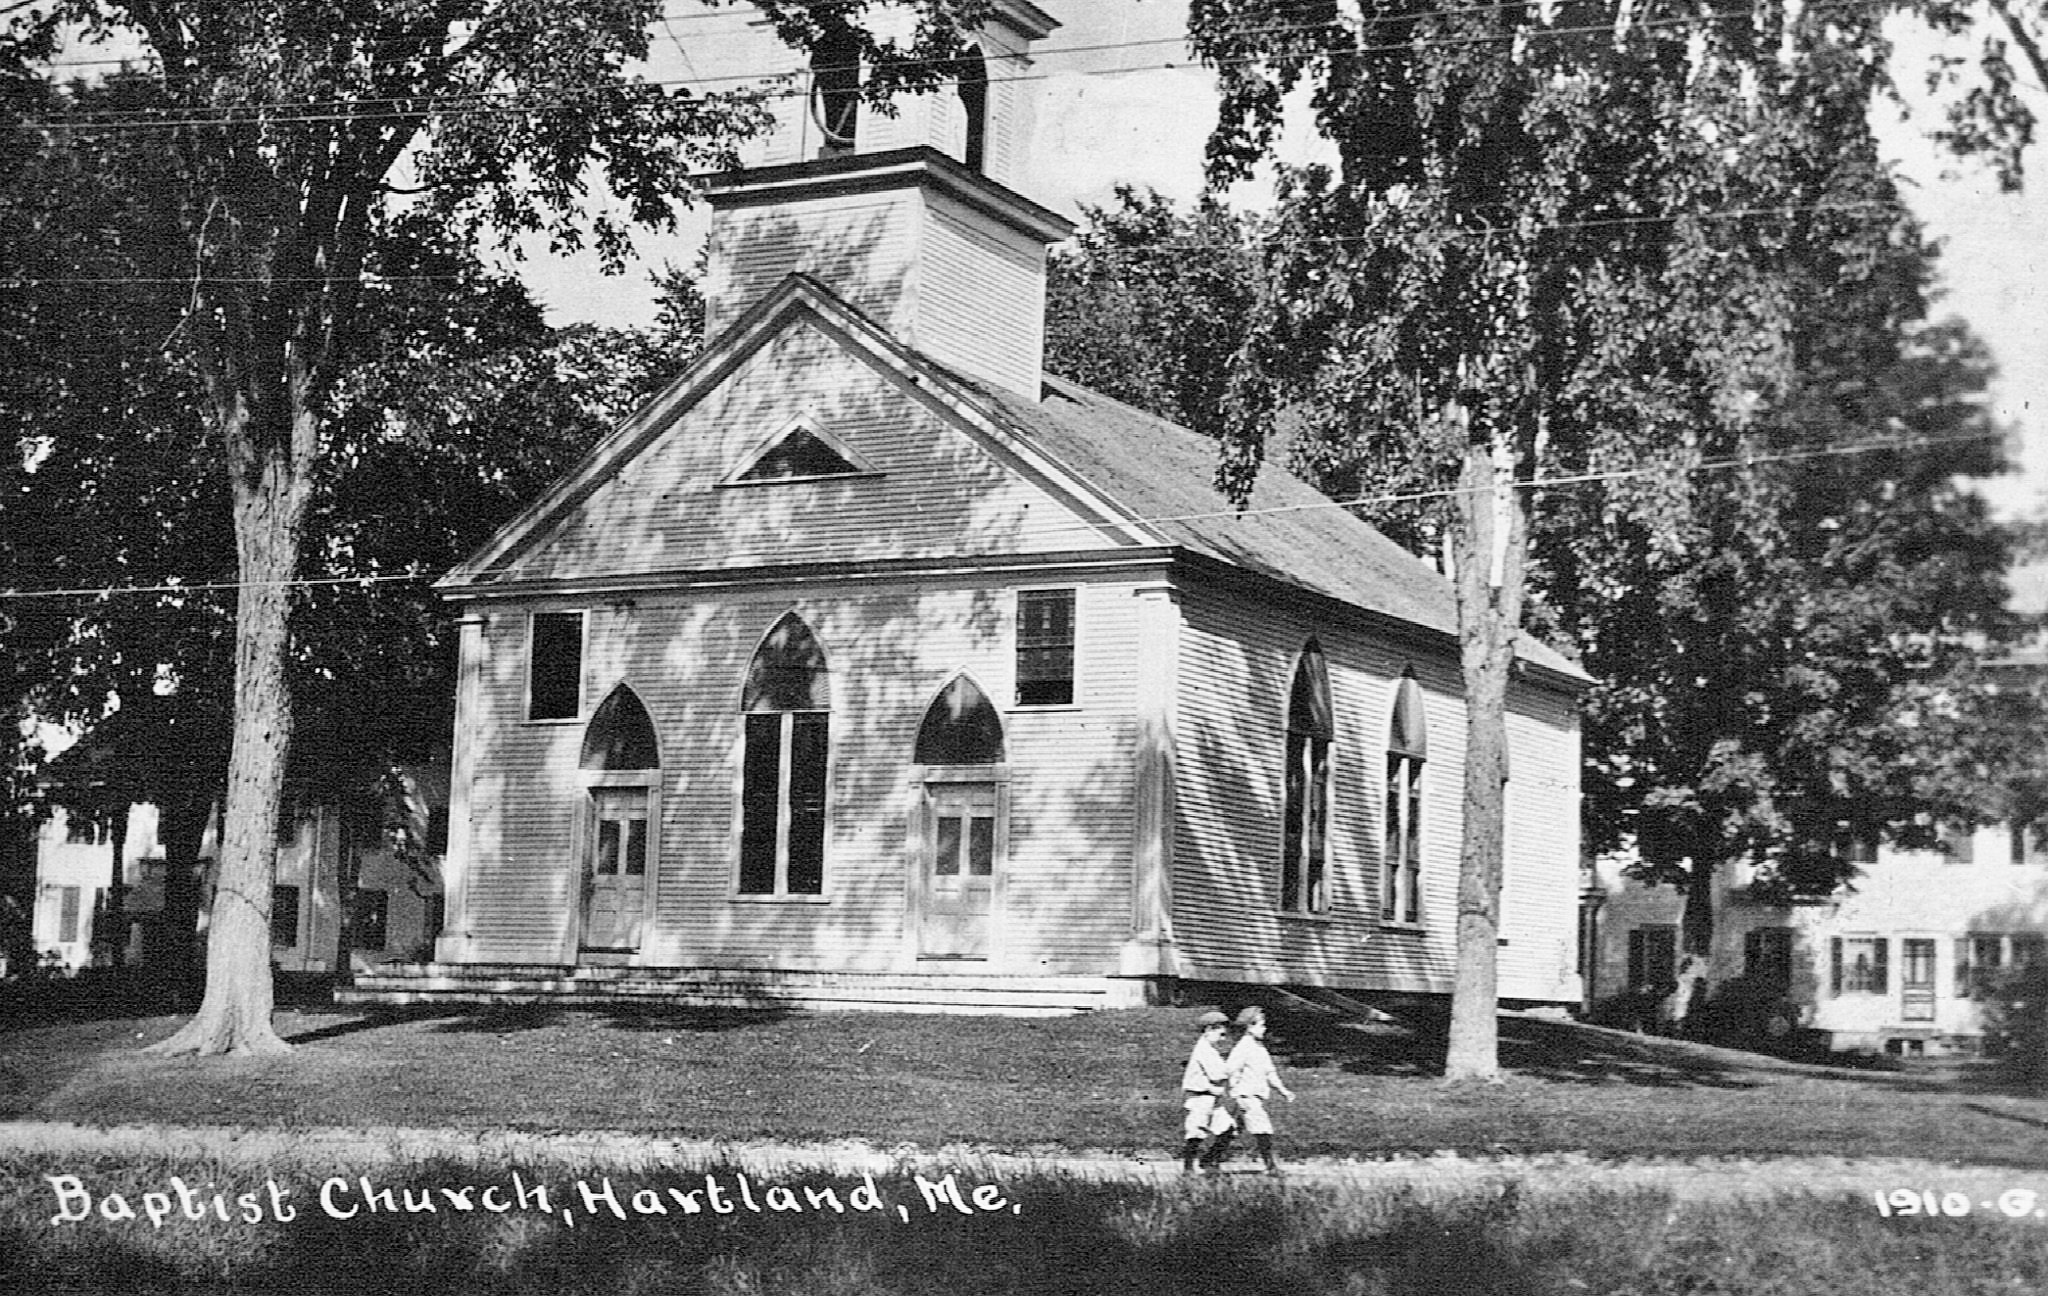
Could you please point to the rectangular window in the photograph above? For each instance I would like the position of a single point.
(782, 803)
(1767, 957)
(1857, 964)
(554, 676)
(368, 913)
(82, 829)
(434, 914)
(284, 916)
(1045, 647)
(621, 847)
(1653, 958)
(1402, 899)
(2029, 949)
(287, 818)
(67, 914)
(1305, 826)
(1978, 960)
(437, 830)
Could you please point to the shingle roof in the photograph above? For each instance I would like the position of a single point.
(1164, 473)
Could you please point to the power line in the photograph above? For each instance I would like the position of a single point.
(1363, 501)
(1171, 245)
(476, 104)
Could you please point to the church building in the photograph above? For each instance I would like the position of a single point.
(869, 665)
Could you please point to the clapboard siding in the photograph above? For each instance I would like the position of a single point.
(665, 510)
(1237, 662)
(863, 245)
(890, 649)
(981, 298)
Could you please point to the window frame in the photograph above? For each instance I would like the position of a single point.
(857, 466)
(1073, 647)
(1402, 814)
(1305, 883)
(786, 809)
(533, 619)
(1878, 980)
(1639, 952)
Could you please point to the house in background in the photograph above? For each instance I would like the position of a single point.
(1898, 961)
(1898, 964)
(869, 666)
(394, 905)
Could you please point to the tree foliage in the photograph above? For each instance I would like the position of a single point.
(1582, 241)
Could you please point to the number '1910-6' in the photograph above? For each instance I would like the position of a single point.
(2013, 1203)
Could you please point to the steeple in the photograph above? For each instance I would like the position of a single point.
(911, 217)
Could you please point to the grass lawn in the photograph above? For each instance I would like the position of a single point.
(1099, 1081)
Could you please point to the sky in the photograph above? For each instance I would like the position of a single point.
(1138, 112)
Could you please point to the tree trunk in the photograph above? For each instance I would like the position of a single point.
(115, 920)
(270, 494)
(181, 826)
(1489, 536)
(1695, 940)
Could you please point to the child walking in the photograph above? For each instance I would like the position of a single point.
(1253, 1078)
(1203, 1085)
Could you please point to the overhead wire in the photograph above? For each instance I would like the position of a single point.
(477, 103)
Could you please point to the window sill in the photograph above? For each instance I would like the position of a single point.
(1025, 708)
(1413, 928)
(1308, 915)
(753, 897)
(560, 720)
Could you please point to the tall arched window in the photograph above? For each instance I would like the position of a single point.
(1304, 851)
(1407, 750)
(620, 765)
(787, 710)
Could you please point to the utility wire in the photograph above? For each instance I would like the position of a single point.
(1363, 501)
(475, 104)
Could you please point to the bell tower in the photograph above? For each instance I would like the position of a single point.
(910, 216)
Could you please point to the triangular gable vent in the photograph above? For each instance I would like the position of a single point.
(800, 453)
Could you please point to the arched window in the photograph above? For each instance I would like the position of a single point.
(787, 712)
(960, 728)
(1407, 751)
(835, 89)
(974, 98)
(620, 736)
(1304, 861)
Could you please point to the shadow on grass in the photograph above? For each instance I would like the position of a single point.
(1554, 1051)
(501, 1019)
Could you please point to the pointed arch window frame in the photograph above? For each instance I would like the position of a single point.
(1309, 742)
(592, 786)
(925, 781)
(792, 739)
(1402, 837)
(859, 467)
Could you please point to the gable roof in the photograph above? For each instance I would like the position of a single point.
(1164, 474)
(1129, 475)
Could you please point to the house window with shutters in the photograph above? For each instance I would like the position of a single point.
(1407, 754)
(1767, 957)
(1979, 957)
(68, 902)
(786, 721)
(554, 666)
(1653, 958)
(1305, 819)
(1857, 965)
(1045, 647)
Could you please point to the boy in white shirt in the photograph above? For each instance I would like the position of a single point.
(1253, 1078)
(1203, 1085)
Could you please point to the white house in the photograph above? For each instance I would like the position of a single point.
(869, 665)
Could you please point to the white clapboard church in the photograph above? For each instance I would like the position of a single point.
(868, 665)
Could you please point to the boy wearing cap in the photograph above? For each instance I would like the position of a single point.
(1253, 1078)
(1203, 1085)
